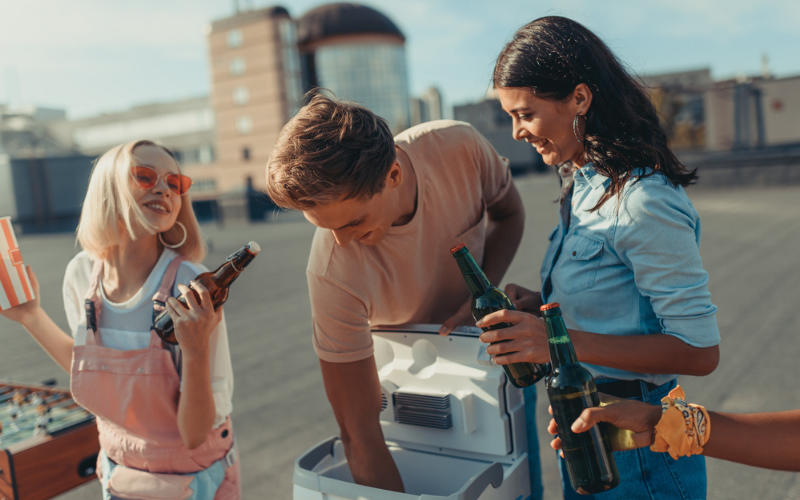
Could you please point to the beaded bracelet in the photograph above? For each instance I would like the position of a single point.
(683, 429)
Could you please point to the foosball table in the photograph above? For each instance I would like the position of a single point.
(48, 444)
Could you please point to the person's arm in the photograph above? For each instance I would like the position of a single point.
(57, 343)
(354, 392)
(505, 223)
(768, 440)
(656, 237)
(193, 328)
(655, 353)
(506, 220)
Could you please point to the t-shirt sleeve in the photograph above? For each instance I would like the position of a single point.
(73, 303)
(220, 365)
(657, 236)
(493, 169)
(341, 332)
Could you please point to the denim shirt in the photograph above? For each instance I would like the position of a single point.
(630, 268)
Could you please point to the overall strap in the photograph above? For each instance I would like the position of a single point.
(164, 292)
(92, 302)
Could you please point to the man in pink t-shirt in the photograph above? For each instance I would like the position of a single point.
(388, 210)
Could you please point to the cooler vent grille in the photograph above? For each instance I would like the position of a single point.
(422, 410)
(383, 401)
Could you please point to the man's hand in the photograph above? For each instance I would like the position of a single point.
(525, 300)
(462, 318)
(635, 416)
(354, 392)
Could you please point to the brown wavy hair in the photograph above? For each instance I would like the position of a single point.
(551, 56)
(330, 151)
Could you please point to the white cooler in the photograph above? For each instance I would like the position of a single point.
(453, 423)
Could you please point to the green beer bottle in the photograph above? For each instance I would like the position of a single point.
(571, 389)
(487, 299)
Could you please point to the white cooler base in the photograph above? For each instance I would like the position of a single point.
(322, 474)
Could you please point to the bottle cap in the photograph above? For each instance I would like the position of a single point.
(551, 305)
(253, 248)
(458, 247)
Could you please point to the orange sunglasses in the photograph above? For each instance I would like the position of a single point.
(147, 178)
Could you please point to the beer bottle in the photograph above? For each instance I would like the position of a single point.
(487, 299)
(571, 389)
(217, 283)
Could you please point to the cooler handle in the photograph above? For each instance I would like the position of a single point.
(491, 475)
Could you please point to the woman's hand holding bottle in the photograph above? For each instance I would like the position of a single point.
(526, 338)
(194, 322)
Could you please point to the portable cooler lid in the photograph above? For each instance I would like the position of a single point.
(443, 394)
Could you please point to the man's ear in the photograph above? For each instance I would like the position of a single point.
(395, 175)
(582, 99)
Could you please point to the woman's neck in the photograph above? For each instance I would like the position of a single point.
(128, 265)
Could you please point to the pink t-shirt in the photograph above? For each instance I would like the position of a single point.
(410, 276)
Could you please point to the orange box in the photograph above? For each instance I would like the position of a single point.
(15, 287)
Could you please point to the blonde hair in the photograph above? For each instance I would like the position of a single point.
(109, 204)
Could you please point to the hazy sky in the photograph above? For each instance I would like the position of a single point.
(90, 56)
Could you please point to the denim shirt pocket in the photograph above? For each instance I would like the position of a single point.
(581, 260)
(548, 255)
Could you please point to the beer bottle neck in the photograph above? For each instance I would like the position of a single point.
(230, 270)
(476, 279)
(561, 350)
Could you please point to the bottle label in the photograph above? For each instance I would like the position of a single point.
(559, 340)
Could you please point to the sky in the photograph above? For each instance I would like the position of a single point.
(94, 56)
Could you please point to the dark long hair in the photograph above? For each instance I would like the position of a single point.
(551, 56)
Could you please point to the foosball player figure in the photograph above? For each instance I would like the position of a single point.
(17, 400)
(42, 420)
(36, 399)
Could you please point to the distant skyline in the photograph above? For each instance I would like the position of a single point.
(91, 56)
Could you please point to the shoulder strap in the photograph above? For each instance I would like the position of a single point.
(165, 290)
(159, 305)
(92, 303)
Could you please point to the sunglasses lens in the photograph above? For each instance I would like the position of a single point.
(174, 183)
(145, 177)
(185, 183)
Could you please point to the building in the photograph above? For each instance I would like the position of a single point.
(358, 54)
(26, 132)
(489, 118)
(427, 107)
(255, 81)
(753, 113)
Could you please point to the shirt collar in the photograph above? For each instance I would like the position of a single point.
(592, 176)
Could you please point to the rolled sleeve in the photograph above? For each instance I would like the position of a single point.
(341, 331)
(658, 237)
(494, 170)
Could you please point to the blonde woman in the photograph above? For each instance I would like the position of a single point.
(162, 414)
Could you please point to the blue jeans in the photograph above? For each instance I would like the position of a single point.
(648, 475)
(535, 467)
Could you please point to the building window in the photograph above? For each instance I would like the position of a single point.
(204, 185)
(246, 154)
(237, 66)
(241, 96)
(234, 38)
(244, 125)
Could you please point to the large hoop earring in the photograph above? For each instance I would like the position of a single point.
(575, 129)
(185, 235)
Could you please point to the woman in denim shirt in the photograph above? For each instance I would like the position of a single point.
(624, 260)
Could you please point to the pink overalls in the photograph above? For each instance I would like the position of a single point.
(134, 395)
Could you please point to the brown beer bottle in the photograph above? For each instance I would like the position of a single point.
(487, 299)
(217, 283)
